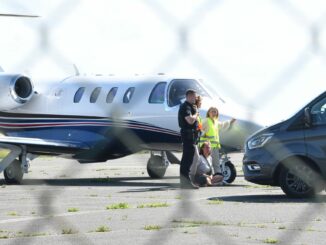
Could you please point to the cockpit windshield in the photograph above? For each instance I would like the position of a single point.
(178, 88)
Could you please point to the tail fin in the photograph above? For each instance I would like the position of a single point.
(77, 73)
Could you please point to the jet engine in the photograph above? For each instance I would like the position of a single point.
(15, 91)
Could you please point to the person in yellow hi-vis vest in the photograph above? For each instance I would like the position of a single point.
(211, 127)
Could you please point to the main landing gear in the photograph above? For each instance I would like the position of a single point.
(15, 164)
(157, 165)
(14, 173)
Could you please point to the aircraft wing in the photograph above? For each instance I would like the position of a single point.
(41, 145)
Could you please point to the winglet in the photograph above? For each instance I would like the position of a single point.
(1, 70)
(77, 73)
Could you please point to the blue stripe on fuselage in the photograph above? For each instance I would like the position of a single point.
(88, 131)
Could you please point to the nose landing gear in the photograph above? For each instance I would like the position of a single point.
(228, 169)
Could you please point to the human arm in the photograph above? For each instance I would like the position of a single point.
(191, 119)
(190, 115)
(226, 124)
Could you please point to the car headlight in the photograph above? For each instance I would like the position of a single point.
(259, 141)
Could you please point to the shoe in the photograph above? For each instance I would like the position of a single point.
(189, 185)
(195, 186)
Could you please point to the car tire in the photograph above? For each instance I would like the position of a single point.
(293, 185)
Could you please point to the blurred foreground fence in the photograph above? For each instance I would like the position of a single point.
(182, 30)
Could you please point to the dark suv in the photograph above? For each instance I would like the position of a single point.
(292, 153)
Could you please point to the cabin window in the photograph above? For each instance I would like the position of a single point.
(178, 88)
(111, 95)
(79, 94)
(95, 94)
(128, 94)
(157, 94)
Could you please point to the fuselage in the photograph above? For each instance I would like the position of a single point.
(113, 116)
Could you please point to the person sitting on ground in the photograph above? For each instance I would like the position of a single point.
(205, 172)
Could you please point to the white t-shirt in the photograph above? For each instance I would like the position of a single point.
(204, 165)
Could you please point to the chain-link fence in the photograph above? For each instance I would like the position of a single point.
(274, 49)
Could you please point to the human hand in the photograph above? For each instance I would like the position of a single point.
(217, 178)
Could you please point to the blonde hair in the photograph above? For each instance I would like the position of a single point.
(211, 109)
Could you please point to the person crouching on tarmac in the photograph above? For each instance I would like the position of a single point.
(210, 132)
(204, 175)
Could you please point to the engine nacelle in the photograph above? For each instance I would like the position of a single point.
(15, 91)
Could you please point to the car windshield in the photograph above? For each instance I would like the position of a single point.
(178, 88)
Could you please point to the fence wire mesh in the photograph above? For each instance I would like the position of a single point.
(186, 52)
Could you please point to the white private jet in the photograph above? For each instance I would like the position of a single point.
(97, 118)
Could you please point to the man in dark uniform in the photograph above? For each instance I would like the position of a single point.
(187, 118)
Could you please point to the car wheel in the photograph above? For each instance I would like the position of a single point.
(299, 180)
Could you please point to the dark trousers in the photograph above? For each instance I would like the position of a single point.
(189, 145)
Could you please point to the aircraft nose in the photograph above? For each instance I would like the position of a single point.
(237, 134)
(246, 127)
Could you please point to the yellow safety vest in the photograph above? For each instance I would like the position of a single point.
(212, 135)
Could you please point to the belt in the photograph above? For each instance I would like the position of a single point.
(187, 130)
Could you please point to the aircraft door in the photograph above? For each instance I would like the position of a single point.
(157, 105)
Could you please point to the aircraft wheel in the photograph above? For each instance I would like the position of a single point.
(155, 167)
(13, 173)
(229, 173)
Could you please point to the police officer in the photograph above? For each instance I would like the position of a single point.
(188, 118)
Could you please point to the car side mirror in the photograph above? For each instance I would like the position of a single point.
(307, 117)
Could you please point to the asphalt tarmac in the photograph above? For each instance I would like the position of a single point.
(63, 202)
